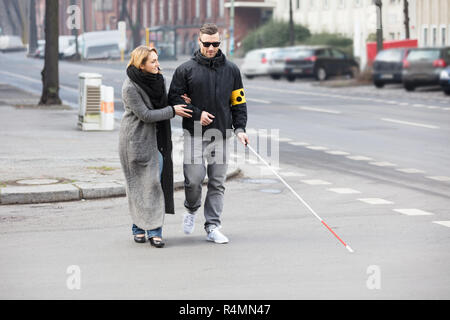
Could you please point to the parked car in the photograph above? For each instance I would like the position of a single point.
(278, 62)
(11, 43)
(257, 62)
(423, 66)
(388, 66)
(40, 51)
(64, 42)
(445, 80)
(320, 62)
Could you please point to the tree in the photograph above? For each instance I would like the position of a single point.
(135, 27)
(50, 73)
(32, 44)
(406, 14)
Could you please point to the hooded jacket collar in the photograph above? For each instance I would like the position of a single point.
(213, 63)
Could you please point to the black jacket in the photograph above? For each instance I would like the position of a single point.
(214, 85)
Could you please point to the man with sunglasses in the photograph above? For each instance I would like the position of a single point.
(212, 87)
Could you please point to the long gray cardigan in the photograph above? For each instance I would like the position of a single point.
(138, 151)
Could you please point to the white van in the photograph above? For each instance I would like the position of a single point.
(96, 45)
(11, 43)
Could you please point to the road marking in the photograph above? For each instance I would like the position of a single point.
(410, 170)
(444, 223)
(418, 105)
(413, 212)
(320, 110)
(294, 143)
(315, 182)
(429, 126)
(319, 148)
(284, 139)
(337, 153)
(382, 164)
(359, 158)
(292, 174)
(440, 178)
(344, 190)
(258, 100)
(375, 201)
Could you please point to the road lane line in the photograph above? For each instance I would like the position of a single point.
(359, 158)
(439, 178)
(443, 223)
(344, 190)
(429, 126)
(320, 110)
(375, 201)
(318, 148)
(413, 212)
(383, 164)
(337, 153)
(258, 100)
(315, 182)
(410, 170)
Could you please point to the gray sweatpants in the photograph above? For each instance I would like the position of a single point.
(200, 158)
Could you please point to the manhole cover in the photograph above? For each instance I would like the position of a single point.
(260, 181)
(37, 181)
(273, 191)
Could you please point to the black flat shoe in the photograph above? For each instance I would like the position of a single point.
(139, 239)
(158, 243)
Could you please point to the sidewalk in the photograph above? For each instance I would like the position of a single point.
(44, 157)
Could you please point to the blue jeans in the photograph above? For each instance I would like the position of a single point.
(158, 231)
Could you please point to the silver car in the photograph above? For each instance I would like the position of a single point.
(258, 62)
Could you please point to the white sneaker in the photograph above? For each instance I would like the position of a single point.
(216, 236)
(188, 222)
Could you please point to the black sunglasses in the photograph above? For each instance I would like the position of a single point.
(207, 44)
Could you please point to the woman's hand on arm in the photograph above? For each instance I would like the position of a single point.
(182, 111)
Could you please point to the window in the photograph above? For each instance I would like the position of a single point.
(103, 5)
(357, 3)
(337, 54)
(325, 4)
(297, 4)
(180, 9)
(170, 10)
(341, 4)
(311, 4)
(434, 36)
(197, 8)
(425, 36)
(161, 11)
(444, 36)
(153, 13)
(221, 8)
(208, 8)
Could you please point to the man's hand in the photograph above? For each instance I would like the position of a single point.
(206, 118)
(242, 136)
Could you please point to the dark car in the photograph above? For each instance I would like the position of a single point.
(423, 66)
(388, 66)
(319, 62)
(445, 80)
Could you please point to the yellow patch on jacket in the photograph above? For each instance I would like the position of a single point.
(237, 97)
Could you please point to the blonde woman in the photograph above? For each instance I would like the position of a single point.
(145, 145)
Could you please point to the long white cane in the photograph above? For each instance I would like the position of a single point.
(300, 198)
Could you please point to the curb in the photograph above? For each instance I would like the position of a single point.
(74, 191)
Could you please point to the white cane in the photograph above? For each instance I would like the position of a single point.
(300, 198)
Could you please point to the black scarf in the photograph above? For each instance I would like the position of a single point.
(152, 84)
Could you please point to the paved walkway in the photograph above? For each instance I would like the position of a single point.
(45, 157)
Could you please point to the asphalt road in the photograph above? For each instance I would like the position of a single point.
(372, 163)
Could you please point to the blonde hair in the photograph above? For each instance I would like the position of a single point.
(140, 55)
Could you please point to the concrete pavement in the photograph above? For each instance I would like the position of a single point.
(46, 158)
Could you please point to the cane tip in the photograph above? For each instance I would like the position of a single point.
(350, 249)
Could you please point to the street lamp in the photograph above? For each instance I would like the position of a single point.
(378, 3)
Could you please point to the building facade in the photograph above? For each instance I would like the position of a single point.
(185, 16)
(431, 22)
